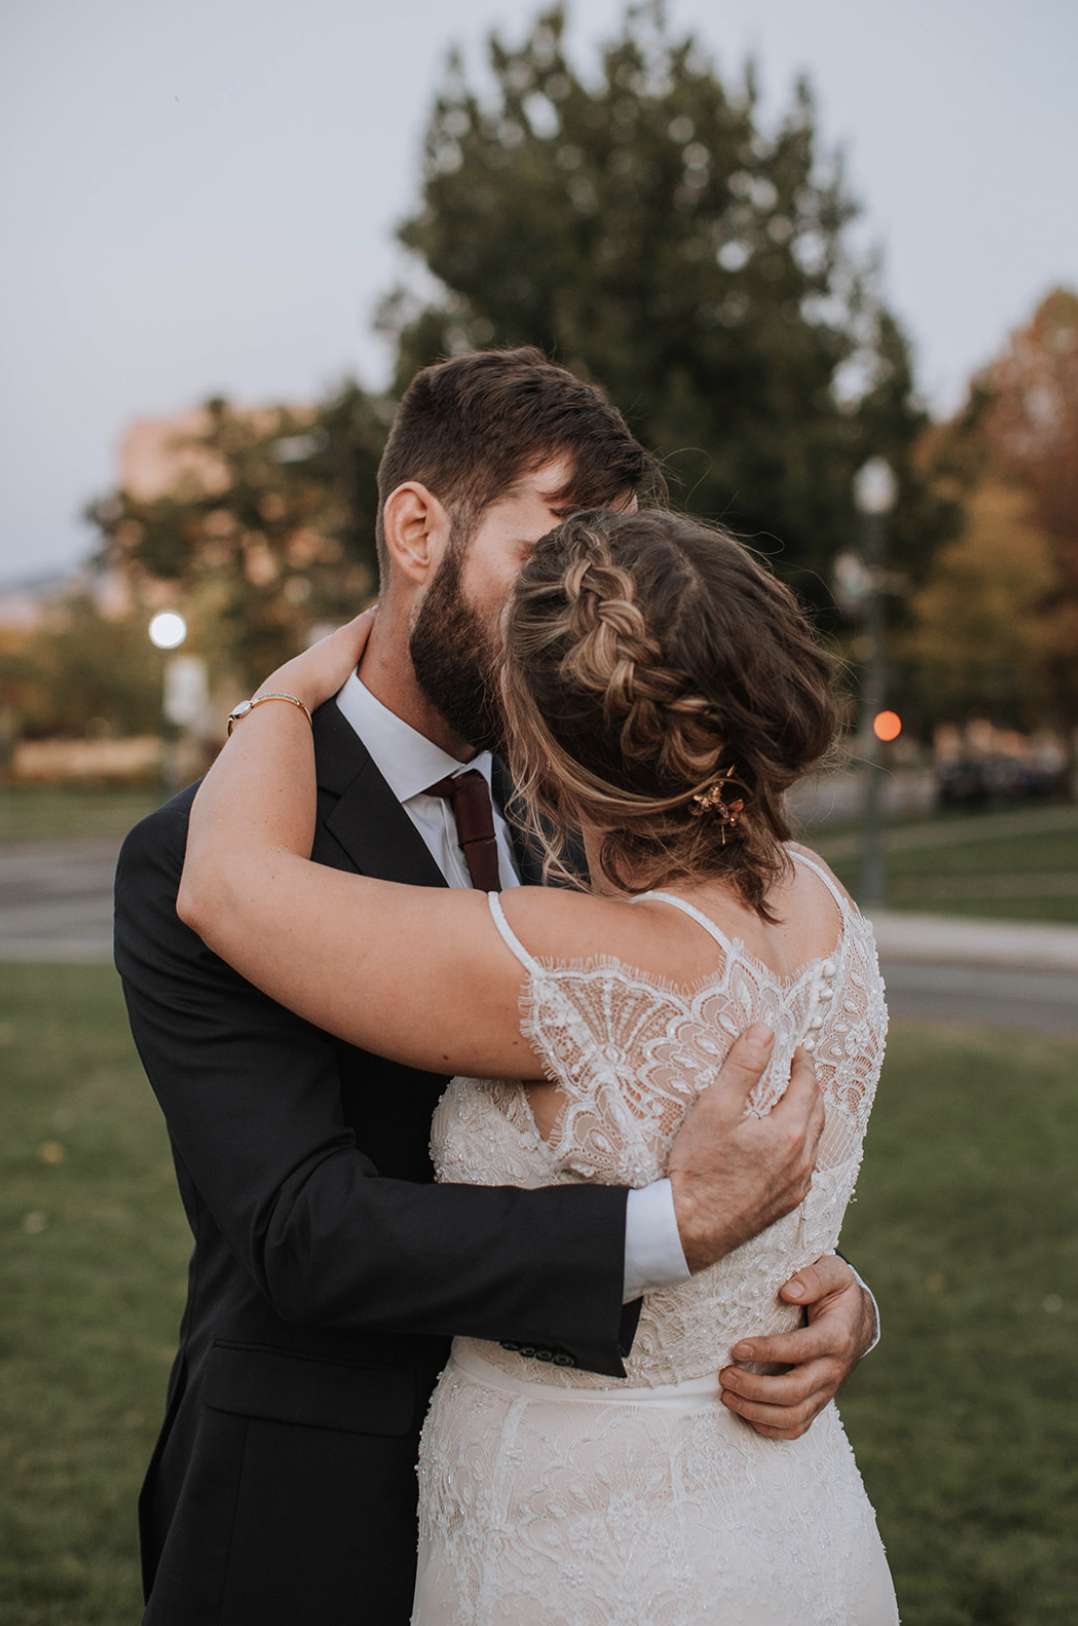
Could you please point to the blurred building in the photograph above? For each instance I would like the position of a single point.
(23, 604)
(26, 604)
(157, 455)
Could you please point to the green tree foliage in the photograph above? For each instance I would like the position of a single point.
(645, 229)
(264, 530)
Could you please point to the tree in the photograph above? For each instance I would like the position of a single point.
(648, 232)
(1031, 420)
(978, 643)
(1031, 428)
(264, 530)
(1015, 444)
(81, 672)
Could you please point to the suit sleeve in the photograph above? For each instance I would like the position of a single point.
(252, 1098)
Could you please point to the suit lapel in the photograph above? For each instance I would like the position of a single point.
(361, 813)
(364, 818)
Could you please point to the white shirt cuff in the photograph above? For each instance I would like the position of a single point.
(875, 1311)
(654, 1258)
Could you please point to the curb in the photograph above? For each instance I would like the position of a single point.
(943, 940)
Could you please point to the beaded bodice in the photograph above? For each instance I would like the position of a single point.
(631, 1053)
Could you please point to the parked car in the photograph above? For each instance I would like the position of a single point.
(984, 781)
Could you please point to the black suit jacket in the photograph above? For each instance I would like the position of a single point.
(328, 1270)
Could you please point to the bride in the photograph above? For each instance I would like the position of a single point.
(661, 692)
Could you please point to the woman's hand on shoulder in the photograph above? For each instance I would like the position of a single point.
(316, 676)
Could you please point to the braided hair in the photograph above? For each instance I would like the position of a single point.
(649, 656)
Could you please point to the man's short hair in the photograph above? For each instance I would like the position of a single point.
(469, 429)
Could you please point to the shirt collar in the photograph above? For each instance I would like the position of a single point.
(406, 759)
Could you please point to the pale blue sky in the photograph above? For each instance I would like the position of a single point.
(201, 197)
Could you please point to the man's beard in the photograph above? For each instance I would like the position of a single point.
(453, 656)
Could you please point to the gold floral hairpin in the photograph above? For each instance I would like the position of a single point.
(713, 802)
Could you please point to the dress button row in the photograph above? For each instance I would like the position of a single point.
(823, 995)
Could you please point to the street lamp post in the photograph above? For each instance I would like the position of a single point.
(184, 701)
(874, 493)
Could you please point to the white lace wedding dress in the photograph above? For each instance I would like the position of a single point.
(556, 1497)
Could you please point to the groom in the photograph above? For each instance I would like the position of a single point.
(328, 1271)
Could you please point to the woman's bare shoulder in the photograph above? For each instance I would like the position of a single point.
(814, 857)
(556, 924)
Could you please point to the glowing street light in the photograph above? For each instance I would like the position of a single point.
(887, 725)
(168, 630)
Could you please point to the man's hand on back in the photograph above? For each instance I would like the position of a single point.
(815, 1360)
(734, 1174)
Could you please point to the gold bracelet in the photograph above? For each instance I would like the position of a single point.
(246, 706)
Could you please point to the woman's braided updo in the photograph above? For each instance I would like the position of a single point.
(648, 655)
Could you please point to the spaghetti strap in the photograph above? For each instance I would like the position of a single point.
(734, 948)
(716, 932)
(817, 869)
(508, 936)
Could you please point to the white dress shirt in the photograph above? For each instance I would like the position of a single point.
(409, 762)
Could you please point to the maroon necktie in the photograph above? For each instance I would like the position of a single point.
(470, 799)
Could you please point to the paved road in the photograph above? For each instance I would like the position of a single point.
(56, 900)
(56, 904)
(1040, 1001)
(984, 973)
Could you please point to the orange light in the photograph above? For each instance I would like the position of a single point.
(887, 725)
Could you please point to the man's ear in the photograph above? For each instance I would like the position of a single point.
(416, 528)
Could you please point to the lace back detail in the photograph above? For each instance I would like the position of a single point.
(629, 1054)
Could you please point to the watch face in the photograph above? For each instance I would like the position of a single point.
(241, 711)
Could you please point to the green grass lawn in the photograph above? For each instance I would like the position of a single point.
(91, 1284)
(999, 866)
(55, 814)
(964, 1420)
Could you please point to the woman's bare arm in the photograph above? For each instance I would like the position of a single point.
(418, 974)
